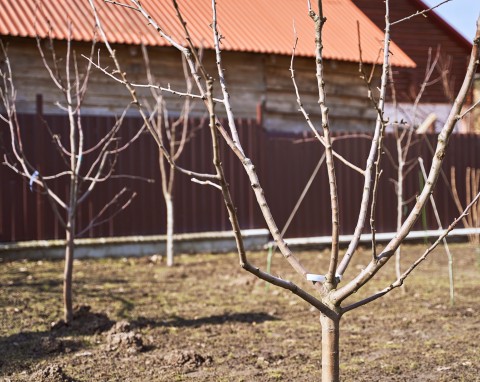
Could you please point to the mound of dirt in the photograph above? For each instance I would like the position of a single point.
(85, 322)
(122, 338)
(186, 358)
(50, 373)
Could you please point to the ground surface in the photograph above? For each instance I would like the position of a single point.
(207, 320)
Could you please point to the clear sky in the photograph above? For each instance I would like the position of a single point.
(461, 14)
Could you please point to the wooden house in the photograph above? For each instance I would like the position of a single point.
(257, 55)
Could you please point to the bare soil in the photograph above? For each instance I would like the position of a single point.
(207, 320)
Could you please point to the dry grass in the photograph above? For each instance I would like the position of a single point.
(206, 320)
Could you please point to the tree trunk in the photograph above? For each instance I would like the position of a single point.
(170, 221)
(398, 252)
(67, 277)
(330, 348)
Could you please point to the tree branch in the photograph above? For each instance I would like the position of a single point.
(373, 150)
(319, 20)
(399, 281)
(419, 13)
(435, 169)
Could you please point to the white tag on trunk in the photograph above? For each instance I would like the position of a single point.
(314, 277)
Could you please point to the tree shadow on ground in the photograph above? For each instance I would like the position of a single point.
(36, 285)
(180, 322)
(21, 350)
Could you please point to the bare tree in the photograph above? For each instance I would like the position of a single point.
(472, 188)
(405, 139)
(174, 134)
(83, 167)
(408, 131)
(331, 295)
(444, 240)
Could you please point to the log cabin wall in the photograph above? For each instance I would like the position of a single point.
(258, 83)
(349, 107)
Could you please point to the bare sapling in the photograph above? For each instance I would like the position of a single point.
(444, 240)
(408, 131)
(331, 288)
(174, 132)
(472, 188)
(405, 138)
(83, 168)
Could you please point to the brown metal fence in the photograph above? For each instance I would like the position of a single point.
(284, 163)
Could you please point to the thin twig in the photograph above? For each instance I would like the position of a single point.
(121, 4)
(167, 89)
(418, 13)
(206, 182)
(96, 222)
(307, 117)
(469, 109)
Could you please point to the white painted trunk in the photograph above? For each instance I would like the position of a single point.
(398, 252)
(170, 223)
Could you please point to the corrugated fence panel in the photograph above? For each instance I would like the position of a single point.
(284, 163)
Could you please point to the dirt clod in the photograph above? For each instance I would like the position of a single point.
(50, 373)
(121, 338)
(186, 358)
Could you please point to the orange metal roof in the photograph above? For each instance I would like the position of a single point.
(263, 26)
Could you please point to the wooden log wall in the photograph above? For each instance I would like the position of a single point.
(254, 80)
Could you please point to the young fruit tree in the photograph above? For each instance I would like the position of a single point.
(174, 133)
(472, 220)
(405, 138)
(83, 168)
(331, 289)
